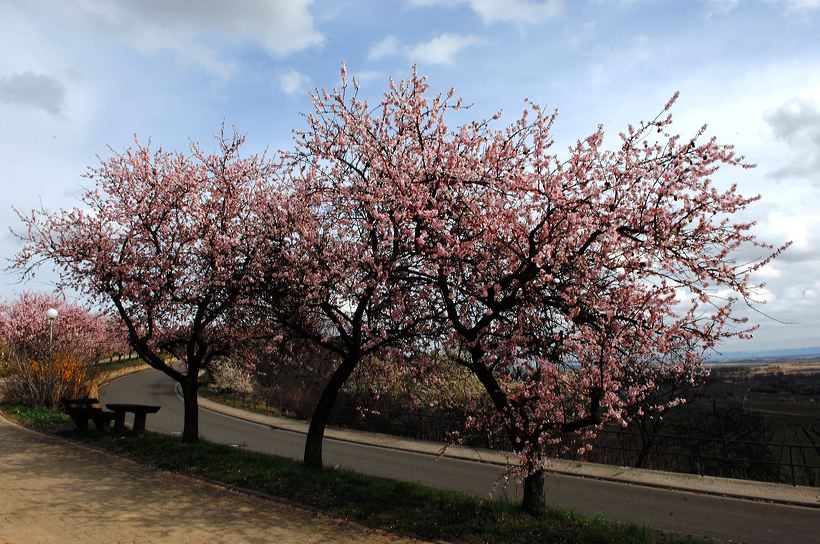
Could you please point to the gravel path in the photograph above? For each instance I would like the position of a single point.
(55, 491)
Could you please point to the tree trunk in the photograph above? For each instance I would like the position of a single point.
(190, 431)
(534, 502)
(318, 422)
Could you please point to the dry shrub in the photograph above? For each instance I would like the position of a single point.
(44, 360)
(44, 380)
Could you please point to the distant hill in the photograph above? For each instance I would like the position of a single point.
(793, 353)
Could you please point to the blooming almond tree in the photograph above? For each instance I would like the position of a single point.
(170, 242)
(347, 283)
(567, 281)
(50, 359)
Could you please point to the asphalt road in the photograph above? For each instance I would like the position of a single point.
(727, 519)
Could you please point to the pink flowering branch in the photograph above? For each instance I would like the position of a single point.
(170, 242)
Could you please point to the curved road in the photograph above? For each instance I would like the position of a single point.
(688, 513)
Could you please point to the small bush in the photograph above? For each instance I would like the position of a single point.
(229, 376)
(45, 360)
(44, 380)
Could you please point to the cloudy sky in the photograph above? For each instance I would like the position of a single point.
(77, 77)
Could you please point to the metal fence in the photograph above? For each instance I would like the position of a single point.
(796, 464)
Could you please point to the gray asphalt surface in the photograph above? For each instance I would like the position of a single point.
(727, 519)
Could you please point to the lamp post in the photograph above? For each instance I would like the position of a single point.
(51, 314)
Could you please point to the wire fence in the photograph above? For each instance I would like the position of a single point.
(781, 462)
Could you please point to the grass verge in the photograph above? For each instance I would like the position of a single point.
(406, 508)
(114, 364)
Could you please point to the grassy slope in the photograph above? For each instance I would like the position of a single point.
(406, 508)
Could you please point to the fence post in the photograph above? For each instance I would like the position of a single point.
(623, 450)
(725, 459)
(791, 465)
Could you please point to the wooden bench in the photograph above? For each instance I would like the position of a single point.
(88, 409)
(140, 412)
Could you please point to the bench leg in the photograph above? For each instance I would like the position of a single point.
(80, 422)
(139, 422)
(102, 424)
(119, 422)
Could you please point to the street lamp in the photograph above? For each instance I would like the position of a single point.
(51, 314)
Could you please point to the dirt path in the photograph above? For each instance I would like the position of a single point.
(54, 491)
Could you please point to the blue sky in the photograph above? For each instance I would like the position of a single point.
(78, 77)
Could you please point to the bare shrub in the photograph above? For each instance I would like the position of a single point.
(46, 360)
(45, 379)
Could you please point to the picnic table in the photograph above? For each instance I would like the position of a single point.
(140, 412)
(87, 408)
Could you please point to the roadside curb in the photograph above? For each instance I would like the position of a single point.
(800, 496)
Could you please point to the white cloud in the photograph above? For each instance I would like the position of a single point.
(293, 82)
(516, 11)
(366, 76)
(196, 32)
(614, 63)
(797, 122)
(434, 3)
(387, 47)
(794, 119)
(798, 5)
(442, 49)
(503, 11)
(768, 272)
(762, 295)
(722, 7)
(34, 90)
